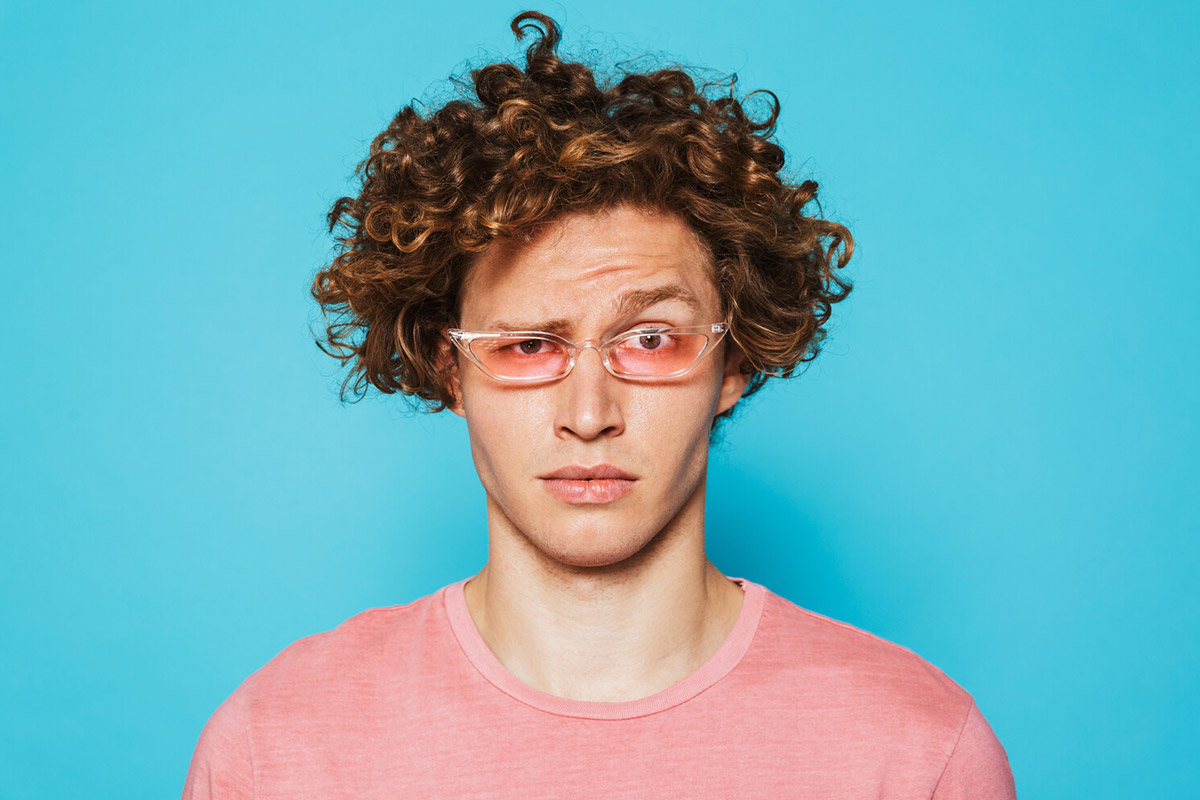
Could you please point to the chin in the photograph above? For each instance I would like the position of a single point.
(591, 547)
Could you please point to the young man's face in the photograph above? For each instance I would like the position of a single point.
(576, 271)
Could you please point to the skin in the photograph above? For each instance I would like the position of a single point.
(608, 601)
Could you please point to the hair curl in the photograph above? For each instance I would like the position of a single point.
(536, 143)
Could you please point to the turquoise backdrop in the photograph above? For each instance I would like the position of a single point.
(993, 463)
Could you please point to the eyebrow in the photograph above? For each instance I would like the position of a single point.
(639, 300)
(627, 304)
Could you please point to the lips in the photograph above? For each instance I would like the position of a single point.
(602, 483)
(596, 473)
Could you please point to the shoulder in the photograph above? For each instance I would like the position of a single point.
(344, 663)
(309, 685)
(852, 666)
(849, 685)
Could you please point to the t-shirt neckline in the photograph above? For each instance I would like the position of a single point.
(718, 665)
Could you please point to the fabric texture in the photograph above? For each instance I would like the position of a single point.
(408, 701)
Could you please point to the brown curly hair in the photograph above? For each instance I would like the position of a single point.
(535, 143)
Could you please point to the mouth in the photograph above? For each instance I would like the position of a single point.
(603, 483)
(598, 472)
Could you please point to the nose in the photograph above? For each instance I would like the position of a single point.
(589, 404)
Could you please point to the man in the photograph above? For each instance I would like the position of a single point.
(592, 278)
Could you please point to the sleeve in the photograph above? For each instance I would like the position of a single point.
(978, 767)
(223, 765)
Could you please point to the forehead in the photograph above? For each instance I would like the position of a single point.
(588, 268)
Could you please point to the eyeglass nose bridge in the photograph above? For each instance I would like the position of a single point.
(577, 349)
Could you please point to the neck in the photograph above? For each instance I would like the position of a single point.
(613, 633)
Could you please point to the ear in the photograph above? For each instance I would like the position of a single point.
(447, 365)
(733, 383)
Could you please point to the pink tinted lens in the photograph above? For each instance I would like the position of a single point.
(521, 356)
(657, 353)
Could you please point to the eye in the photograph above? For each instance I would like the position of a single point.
(526, 347)
(648, 339)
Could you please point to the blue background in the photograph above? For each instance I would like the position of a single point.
(993, 463)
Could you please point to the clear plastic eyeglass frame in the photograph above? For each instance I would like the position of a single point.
(713, 333)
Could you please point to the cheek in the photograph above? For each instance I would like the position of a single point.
(675, 418)
(502, 426)
(512, 431)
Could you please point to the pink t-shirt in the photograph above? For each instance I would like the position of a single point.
(408, 701)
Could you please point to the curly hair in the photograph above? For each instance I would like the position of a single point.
(533, 144)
